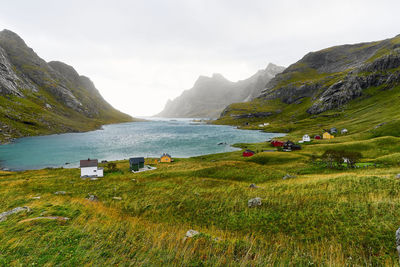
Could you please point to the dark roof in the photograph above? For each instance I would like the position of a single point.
(165, 154)
(136, 160)
(249, 151)
(89, 163)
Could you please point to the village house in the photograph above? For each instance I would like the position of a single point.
(276, 143)
(306, 138)
(344, 131)
(248, 153)
(290, 146)
(136, 163)
(317, 137)
(165, 158)
(327, 135)
(333, 130)
(89, 168)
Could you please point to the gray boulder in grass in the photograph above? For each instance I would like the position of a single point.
(254, 202)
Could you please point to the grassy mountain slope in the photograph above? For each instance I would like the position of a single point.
(351, 86)
(37, 97)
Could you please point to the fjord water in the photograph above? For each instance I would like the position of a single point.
(180, 138)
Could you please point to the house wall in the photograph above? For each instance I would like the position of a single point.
(165, 159)
(89, 171)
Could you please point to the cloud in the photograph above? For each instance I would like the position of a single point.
(140, 53)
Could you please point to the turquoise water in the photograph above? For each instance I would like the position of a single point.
(179, 138)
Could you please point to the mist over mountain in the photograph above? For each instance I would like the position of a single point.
(210, 95)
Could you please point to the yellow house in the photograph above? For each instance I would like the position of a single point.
(165, 158)
(327, 135)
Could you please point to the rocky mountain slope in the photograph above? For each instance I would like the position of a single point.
(340, 82)
(39, 97)
(210, 95)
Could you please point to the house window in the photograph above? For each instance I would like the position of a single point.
(94, 170)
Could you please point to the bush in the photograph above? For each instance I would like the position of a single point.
(112, 167)
(336, 158)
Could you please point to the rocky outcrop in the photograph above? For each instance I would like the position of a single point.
(210, 95)
(333, 77)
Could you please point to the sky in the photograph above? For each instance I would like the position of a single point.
(139, 54)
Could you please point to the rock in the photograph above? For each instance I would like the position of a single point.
(92, 198)
(36, 197)
(117, 198)
(4, 215)
(94, 178)
(48, 106)
(288, 176)
(380, 125)
(46, 218)
(253, 186)
(191, 233)
(60, 193)
(254, 202)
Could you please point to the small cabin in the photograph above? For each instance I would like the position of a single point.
(248, 153)
(276, 143)
(333, 130)
(327, 135)
(306, 138)
(344, 131)
(136, 163)
(89, 168)
(290, 146)
(165, 158)
(317, 137)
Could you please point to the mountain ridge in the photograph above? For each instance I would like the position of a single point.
(210, 95)
(39, 97)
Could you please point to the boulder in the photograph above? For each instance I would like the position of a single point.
(92, 198)
(60, 193)
(288, 176)
(191, 233)
(4, 215)
(254, 202)
(253, 186)
(117, 198)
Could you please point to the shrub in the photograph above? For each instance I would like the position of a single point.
(336, 158)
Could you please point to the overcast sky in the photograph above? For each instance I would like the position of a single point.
(141, 53)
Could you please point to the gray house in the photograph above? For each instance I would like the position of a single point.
(136, 163)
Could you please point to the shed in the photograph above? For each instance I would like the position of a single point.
(89, 168)
(248, 153)
(165, 158)
(289, 146)
(327, 135)
(317, 137)
(344, 131)
(136, 163)
(306, 138)
(276, 143)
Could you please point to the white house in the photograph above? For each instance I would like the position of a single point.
(89, 168)
(344, 131)
(306, 138)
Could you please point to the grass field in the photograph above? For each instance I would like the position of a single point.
(321, 217)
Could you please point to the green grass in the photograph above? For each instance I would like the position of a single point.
(320, 217)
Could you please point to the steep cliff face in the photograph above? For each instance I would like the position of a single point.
(37, 97)
(210, 95)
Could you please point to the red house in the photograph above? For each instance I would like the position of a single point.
(317, 137)
(276, 143)
(248, 153)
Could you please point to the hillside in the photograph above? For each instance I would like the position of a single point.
(332, 87)
(210, 95)
(38, 97)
